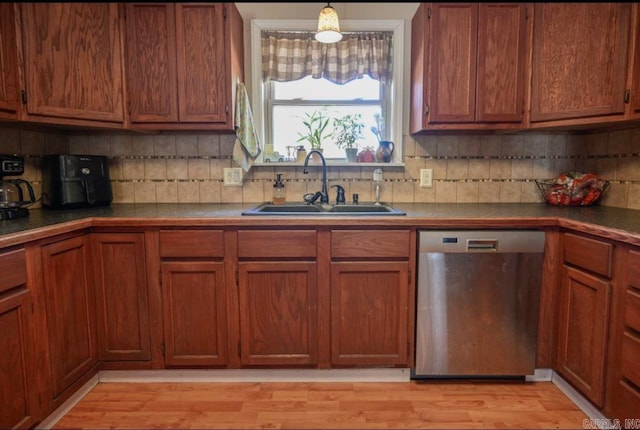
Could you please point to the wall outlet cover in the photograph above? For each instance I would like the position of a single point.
(426, 178)
(232, 176)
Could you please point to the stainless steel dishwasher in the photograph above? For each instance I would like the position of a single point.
(477, 305)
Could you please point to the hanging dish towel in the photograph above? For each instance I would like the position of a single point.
(247, 146)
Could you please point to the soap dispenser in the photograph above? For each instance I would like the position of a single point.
(279, 193)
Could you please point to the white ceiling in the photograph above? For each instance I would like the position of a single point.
(295, 10)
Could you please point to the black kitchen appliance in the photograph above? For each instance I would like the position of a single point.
(13, 191)
(72, 181)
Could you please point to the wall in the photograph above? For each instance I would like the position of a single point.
(185, 168)
(500, 168)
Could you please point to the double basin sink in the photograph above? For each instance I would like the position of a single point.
(323, 209)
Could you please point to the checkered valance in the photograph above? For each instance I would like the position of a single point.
(289, 56)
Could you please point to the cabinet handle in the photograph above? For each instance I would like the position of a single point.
(627, 96)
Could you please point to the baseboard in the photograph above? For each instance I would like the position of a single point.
(257, 375)
(68, 404)
(596, 419)
(540, 375)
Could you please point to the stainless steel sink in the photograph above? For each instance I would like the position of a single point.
(305, 209)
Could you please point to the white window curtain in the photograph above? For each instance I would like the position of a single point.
(289, 56)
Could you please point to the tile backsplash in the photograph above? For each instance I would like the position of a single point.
(187, 168)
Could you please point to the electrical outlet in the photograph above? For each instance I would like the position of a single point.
(426, 178)
(232, 176)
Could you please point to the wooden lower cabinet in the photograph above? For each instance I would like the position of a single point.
(122, 307)
(623, 396)
(369, 312)
(582, 338)
(278, 313)
(70, 309)
(194, 313)
(16, 345)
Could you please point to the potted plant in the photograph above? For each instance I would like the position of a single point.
(316, 130)
(348, 130)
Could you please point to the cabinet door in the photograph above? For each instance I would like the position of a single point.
(582, 338)
(501, 58)
(278, 313)
(580, 57)
(194, 313)
(178, 72)
(369, 313)
(73, 60)
(122, 308)
(452, 76)
(202, 69)
(151, 62)
(9, 85)
(70, 304)
(15, 362)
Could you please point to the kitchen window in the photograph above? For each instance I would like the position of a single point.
(281, 104)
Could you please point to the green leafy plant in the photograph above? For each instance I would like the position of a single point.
(348, 130)
(316, 129)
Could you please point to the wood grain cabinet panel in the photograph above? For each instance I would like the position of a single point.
(70, 308)
(278, 313)
(590, 254)
(9, 84)
(183, 62)
(191, 244)
(369, 313)
(73, 62)
(623, 395)
(580, 61)
(468, 65)
(17, 385)
(583, 321)
(194, 313)
(122, 308)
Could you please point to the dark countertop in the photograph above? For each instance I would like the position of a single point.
(614, 223)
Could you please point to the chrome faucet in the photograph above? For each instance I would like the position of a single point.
(323, 195)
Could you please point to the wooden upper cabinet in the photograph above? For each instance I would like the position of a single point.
(468, 66)
(183, 60)
(9, 84)
(73, 63)
(580, 60)
(634, 78)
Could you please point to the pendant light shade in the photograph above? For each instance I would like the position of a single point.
(328, 26)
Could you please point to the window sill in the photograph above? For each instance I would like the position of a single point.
(330, 163)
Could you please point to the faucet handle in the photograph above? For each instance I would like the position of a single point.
(340, 199)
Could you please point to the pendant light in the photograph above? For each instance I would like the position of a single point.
(328, 26)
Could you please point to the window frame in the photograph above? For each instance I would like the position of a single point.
(394, 94)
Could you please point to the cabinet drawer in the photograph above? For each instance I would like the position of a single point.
(587, 253)
(633, 274)
(276, 243)
(370, 243)
(630, 365)
(191, 243)
(632, 309)
(13, 267)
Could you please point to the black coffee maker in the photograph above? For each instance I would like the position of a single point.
(13, 203)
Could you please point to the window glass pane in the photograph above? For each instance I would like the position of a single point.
(287, 123)
(321, 89)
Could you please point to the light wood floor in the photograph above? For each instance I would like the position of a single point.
(325, 405)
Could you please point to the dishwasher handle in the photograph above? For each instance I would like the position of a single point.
(482, 245)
